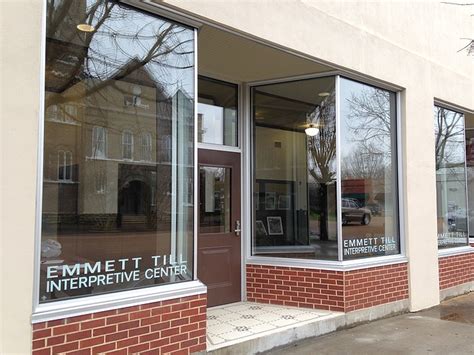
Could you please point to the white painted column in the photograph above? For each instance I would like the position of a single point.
(420, 191)
(20, 56)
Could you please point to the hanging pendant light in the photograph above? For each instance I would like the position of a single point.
(84, 27)
(312, 130)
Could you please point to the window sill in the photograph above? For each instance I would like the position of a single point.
(221, 147)
(92, 304)
(455, 251)
(348, 265)
(284, 249)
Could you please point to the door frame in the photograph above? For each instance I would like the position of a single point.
(242, 117)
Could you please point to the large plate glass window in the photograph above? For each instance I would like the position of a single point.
(294, 188)
(451, 193)
(369, 193)
(469, 123)
(117, 209)
(296, 174)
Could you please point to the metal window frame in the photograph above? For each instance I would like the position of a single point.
(340, 256)
(122, 298)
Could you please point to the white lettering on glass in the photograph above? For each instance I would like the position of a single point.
(112, 272)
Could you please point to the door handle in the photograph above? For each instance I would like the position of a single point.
(237, 228)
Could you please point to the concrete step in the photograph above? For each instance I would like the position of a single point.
(251, 328)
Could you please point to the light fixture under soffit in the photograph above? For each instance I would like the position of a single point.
(311, 131)
(324, 94)
(258, 116)
(84, 27)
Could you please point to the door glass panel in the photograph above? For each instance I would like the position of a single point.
(217, 112)
(214, 199)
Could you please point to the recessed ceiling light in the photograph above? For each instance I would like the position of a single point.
(84, 27)
(324, 94)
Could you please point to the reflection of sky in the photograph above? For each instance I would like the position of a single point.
(356, 130)
(129, 35)
(212, 118)
(454, 151)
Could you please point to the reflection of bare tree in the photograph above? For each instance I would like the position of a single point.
(321, 156)
(469, 47)
(362, 163)
(97, 69)
(370, 119)
(104, 54)
(370, 124)
(322, 147)
(449, 136)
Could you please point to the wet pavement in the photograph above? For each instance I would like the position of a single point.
(445, 329)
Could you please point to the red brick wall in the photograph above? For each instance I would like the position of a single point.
(175, 326)
(455, 270)
(378, 285)
(311, 288)
(323, 289)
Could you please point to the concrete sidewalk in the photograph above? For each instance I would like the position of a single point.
(445, 329)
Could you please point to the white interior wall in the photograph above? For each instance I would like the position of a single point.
(286, 162)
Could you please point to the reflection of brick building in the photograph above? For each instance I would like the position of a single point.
(365, 191)
(117, 143)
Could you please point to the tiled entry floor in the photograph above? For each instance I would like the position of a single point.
(237, 322)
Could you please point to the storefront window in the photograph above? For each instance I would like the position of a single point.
(369, 191)
(469, 137)
(451, 193)
(296, 170)
(116, 211)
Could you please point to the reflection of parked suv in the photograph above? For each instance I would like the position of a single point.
(457, 220)
(352, 212)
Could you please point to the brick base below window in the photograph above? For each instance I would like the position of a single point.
(343, 291)
(455, 270)
(175, 326)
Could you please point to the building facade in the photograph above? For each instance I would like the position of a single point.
(168, 157)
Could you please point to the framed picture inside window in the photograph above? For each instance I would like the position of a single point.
(260, 228)
(284, 202)
(275, 226)
(270, 200)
